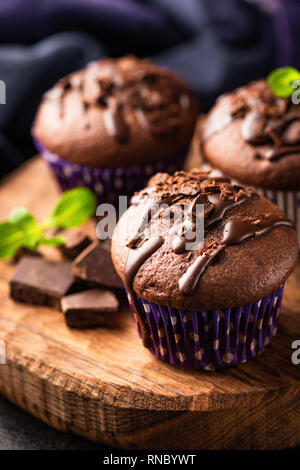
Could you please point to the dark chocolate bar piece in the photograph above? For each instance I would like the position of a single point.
(76, 242)
(90, 308)
(25, 252)
(94, 264)
(41, 282)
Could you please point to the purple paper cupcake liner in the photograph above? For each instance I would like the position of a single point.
(109, 183)
(212, 339)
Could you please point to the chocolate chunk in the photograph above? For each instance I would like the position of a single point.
(94, 265)
(25, 252)
(76, 242)
(90, 308)
(41, 282)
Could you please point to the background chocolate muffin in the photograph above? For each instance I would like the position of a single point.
(252, 135)
(114, 124)
(218, 303)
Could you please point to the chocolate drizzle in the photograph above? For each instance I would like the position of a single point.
(159, 102)
(63, 87)
(221, 206)
(269, 123)
(218, 198)
(150, 207)
(188, 282)
(252, 128)
(115, 123)
(275, 153)
(178, 245)
(235, 231)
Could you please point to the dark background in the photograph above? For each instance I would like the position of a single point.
(216, 45)
(21, 431)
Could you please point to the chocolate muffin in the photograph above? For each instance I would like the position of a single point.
(204, 301)
(114, 124)
(253, 136)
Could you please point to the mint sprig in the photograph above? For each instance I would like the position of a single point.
(23, 220)
(74, 208)
(280, 81)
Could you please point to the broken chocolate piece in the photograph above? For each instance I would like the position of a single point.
(41, 282)
(25, 252)
(76, 242)
(90, 308)
(94, 265)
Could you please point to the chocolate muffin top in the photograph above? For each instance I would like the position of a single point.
(254, 136)
(248, 250)
(117, 113)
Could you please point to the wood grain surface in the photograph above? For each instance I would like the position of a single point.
(103, 385)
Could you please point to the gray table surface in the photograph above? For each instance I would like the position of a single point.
(21, 431)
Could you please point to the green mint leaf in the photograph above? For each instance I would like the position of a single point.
(20, 215)
(11, 238)
(74, 208)
(280, 81)
(26, 223)
(53, 241)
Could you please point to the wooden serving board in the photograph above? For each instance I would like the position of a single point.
(103, 385)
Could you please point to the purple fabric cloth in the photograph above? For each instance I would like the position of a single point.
(27, 21)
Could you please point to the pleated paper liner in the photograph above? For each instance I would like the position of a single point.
(109, 183)
(288, 201)
(212, 339)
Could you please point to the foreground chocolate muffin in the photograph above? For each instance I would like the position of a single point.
(252, 135)
(114, 124)
(215, 302)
